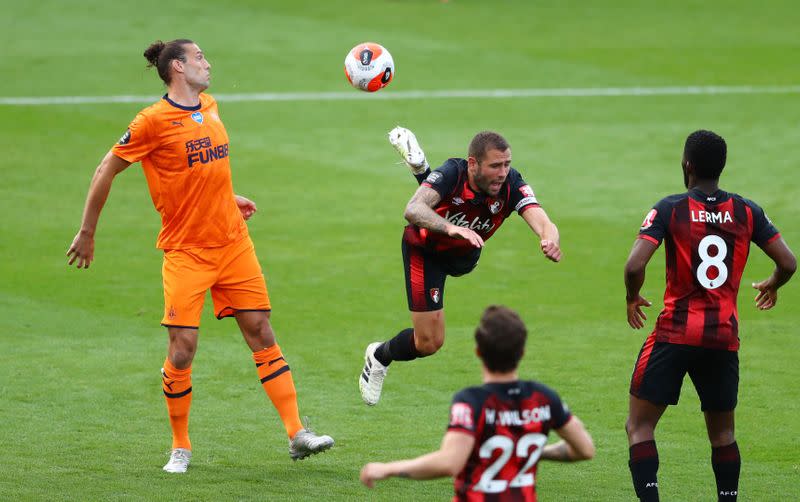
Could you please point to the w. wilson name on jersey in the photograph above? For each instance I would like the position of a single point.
(510, 423)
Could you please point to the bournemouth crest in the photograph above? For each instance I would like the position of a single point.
(435, 296)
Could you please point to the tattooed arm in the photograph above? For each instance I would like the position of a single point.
(419, 212)
(448, 460)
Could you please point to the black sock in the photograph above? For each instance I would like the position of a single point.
(726, 463)
(644, 469)
(422, 177)
(399, 348)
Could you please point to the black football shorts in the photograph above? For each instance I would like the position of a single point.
(660, 368)
(426, 272)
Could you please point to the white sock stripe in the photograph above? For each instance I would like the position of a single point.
(430, 94)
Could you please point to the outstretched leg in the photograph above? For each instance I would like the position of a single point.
(406, 144)
(276, 378)
(424, 339)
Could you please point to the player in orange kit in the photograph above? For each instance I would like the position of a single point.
(183, 148)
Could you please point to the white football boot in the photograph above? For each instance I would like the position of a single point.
(370, 382)
(306, 442)
(178, 460)
(408, 147)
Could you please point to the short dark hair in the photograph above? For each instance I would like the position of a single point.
(161, 54)
(707, 152)
(485, 141)
(501, 337)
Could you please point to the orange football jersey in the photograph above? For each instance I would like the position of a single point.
(184, 154)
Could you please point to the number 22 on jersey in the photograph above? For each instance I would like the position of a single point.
(488, 483)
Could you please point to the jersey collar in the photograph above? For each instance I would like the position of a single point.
(701, 196)
(187, 108)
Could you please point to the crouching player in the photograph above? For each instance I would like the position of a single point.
(498, 431)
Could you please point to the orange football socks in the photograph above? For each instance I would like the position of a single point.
(277, 381)
(177, 385)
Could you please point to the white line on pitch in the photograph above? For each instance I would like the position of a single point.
(445, 94)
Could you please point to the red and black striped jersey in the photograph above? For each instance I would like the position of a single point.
(707, 241)
(510, 423)
(462, 206)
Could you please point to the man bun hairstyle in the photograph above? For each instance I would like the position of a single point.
(485, 141)
(707, 152)
(161, 54)
(501, 337)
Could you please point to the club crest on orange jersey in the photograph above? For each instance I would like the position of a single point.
(197, 117)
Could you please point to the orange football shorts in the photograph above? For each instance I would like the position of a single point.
(231, 272)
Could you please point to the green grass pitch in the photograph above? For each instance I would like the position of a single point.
(82, 416)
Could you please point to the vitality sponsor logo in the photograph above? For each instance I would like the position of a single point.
(460, 219)
(125, 139)
(508, 418)
(202, 151)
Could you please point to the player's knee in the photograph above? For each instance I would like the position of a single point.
(260, 330)
(181, 358)
(429, 346)
(721, 438)
(638, 429)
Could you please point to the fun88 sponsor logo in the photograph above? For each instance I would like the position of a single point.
(202, 151)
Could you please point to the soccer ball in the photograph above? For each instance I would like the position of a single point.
(369, 67)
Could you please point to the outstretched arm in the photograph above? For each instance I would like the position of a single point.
(641, 253)
(448, 460)
(540, 223)
(785, 266)
(419, 212)
(576, 443)
(82, 248)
